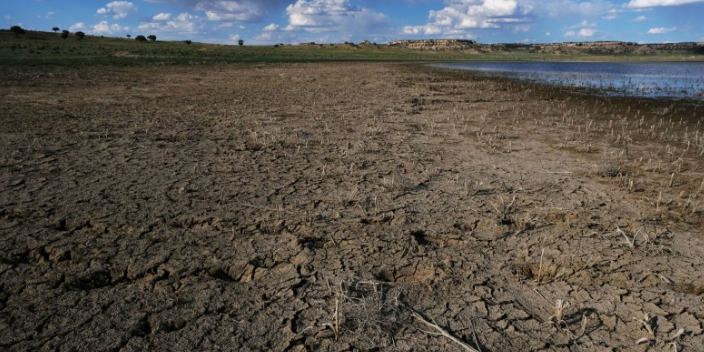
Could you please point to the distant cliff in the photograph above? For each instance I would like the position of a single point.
(434, 44)
(601, 47)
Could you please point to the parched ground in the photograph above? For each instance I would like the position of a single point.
(343, 207)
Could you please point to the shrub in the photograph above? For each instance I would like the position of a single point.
(64, 34)
(152, 37)
(240, 42)
(80, 35)
(17, 30)
(140, 38)
(188, 42)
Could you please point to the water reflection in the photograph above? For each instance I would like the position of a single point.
(681, 80)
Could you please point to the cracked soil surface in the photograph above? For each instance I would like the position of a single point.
(296, 207)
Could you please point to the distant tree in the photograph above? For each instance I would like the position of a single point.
(80, 35)
(129, 36)
(240, 42)
(17, 30)
(64, 34)
(152, 37)
(140, 38)
(55, 29)
(188, 42)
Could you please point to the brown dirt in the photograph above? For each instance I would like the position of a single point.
(241, 207)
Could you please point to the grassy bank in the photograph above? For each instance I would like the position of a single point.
(41, 49)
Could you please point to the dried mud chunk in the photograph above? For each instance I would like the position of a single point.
(89, 281)
(420, 237)
(414, 274)
(688, 322)
(303, 257)
(385, 275)
(241, 272)
(692, 288)
(535, 271)
(282, 275)
(58, 254)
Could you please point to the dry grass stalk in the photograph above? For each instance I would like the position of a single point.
(647, 324)
(442, 331)
(631, 243)
(540, 268)
(560, 306)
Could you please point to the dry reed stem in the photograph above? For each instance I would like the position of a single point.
(442, 331)
(540, 269)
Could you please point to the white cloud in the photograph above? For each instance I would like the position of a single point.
(105, 28)
(80, 26)
(640, 19)
(332, 15)
(584, 23)
(49, 15)
(102, 28)
(184, 23)
(235, 10)
(567, 8)
(661, 30)
(119, 9)
(658, 3)
(427, 29)
(458, 17)
(548, 34)
(271, 27)
(582, 33)
(164, 16)
(611, 15)
(466, 14)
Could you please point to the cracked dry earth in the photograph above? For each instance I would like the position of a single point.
(332, 207)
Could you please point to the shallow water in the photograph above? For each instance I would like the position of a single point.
(680, 80)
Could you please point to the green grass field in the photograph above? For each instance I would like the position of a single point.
(46, 48)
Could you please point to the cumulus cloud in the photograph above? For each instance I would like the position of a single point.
(584, 23)
(184, 23)
(234, 10)
(568, 8)
(162, 17)
(271, 27)
(611, 15)
(465, 14)
(331, 15)
(640, 19)
(658, 3)
(661, 30)
(80, 26)
(102, 28)
(428, 29)
(119, 9)
(458, 17)
(582, 33)
(49, 15)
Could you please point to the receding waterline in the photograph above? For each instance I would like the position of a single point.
(679, 80)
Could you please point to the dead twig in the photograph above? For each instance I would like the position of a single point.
(442, 331)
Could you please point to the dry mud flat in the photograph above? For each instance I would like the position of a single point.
(338, 207)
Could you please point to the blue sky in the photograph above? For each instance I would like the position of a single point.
(331, 21)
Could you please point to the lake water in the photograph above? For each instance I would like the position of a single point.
(679, 80)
